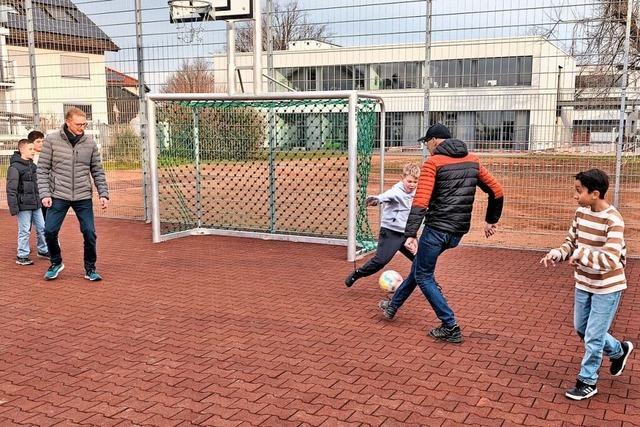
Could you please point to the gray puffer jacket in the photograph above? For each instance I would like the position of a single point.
(65, 171)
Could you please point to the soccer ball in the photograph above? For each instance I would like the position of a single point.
(390, 280)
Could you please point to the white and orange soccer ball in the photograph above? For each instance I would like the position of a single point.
(390, 280)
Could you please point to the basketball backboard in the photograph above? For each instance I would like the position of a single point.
(220, 10)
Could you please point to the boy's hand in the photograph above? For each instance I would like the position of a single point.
(372, 201)
(104, 202)
(46, 202)
(552, 257)
(412, 244)
(489, 229)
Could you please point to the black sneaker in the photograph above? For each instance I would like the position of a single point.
(617, 365)
(23, 260)
(351, 279)
(388, 311)
(44, 255)
(449, 334)
(581, 391)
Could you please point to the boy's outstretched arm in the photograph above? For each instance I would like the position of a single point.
(607, 257)
(565, 250)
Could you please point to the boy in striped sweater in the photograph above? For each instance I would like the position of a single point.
(595, 248)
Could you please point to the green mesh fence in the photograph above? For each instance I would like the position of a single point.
(277, 167)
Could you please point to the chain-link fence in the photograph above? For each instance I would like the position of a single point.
(540, 89)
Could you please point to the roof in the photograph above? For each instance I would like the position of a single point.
(120, 79)
(59, 25)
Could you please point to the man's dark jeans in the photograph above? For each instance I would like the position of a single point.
(55, 217)
(432, 244)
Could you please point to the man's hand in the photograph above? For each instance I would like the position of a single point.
(551, 258)
(412, 244)
(489, 229)
(47, 202)
(104, 202)
(372, 201)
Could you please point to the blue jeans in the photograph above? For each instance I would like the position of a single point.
(25, 220)
(592, 318)
(55, 216)
(432, 244)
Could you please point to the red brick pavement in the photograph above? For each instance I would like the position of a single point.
(221, 331)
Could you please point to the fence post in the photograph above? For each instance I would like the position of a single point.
(352, 173)
(623, 106)
(196, 153)
(142, 113)
(28, 5)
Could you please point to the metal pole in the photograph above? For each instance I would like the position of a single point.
(32, 63)
(231, 57)
(142, 111)
(257, 47)
(270, 70)
(623, 106)
(427, 73)
(196, 154)
(153, 164)
(353, 166)
(383, 112)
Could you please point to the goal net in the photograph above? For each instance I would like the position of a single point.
(276, 166)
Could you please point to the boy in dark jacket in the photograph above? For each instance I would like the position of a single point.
(24, 201)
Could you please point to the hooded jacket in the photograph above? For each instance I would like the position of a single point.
(396, 206)
(22, 186)
(446, 191)
(65, 171)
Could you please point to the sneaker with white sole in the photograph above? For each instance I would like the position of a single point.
(23, 260)
(93, 276)
(617, 365)
(581, 391)
(388, 311)
(53, 271)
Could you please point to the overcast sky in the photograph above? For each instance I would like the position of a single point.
(351, 22)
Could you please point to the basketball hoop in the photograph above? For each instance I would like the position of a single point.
(190, 15)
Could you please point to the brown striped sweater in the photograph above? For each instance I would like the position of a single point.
(596, 241)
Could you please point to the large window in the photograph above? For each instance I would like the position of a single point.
(74, 67)
(479, 72)
(299, 78)
(488, 130)
(397, 75)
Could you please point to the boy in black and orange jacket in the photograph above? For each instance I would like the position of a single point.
(444, 200)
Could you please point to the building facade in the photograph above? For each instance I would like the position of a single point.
(495, 94)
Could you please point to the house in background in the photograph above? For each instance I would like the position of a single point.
(70, 64)
(123, 99)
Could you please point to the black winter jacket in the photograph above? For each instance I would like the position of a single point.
(22, 185)
(447, 188)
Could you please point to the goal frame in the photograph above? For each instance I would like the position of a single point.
(351, 96)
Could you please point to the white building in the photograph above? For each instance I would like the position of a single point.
(494, 94)
(70, 66)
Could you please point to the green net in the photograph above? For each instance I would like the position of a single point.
(277, 166)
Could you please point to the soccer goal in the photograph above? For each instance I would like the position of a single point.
(287, 166)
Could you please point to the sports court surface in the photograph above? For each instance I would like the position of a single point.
(223, 331)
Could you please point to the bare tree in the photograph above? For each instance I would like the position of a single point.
(597, 41)
(289, 23)
(194, 76)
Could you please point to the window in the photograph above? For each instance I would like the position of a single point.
(480, 72)
(74, 67)
(487, 130)
(398, 75)
(21, 61)
(87, 108)
(299, 78)
(58, 13)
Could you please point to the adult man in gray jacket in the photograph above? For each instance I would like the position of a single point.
(68, 161)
